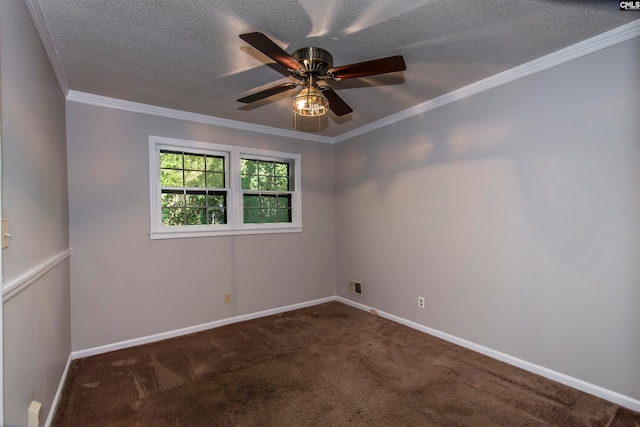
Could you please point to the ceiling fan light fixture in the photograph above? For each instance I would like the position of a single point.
(309, 65)
(310, 102)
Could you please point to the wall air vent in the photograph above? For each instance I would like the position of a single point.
(354, 287)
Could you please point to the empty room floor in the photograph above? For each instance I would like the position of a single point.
(329, 365)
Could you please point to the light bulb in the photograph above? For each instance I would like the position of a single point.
(310, 102)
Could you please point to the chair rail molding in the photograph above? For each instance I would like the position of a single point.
(20, 283)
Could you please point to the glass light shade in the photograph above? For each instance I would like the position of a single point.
(310, 102)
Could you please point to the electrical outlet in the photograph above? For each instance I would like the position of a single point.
(227, 297)
(421, 302)
(354, 287)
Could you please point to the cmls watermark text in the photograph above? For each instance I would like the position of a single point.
(630, 5)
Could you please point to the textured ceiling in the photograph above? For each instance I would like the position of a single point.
(186, 55)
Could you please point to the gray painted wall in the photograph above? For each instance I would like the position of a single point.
(36, 333)
(515, 213)
(127, 286)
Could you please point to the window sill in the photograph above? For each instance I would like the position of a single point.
(156, 235)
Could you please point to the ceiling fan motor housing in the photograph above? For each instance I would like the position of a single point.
(316, 61)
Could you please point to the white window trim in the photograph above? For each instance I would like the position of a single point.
(235, 225)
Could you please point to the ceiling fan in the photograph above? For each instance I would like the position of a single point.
(310, 65)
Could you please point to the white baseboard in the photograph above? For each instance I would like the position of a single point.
(576, 383)
(56, 398)
(191, 329)
(603, 393)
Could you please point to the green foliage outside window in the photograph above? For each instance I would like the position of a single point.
(260, 208)
(262, 181)
(264, 175)
(192, 198)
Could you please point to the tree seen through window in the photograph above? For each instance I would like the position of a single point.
(266, 189)
(192, 188)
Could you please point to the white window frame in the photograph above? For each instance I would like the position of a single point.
(233, 156)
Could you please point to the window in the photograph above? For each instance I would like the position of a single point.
(266, 195)
(192, 187)
(201, 189)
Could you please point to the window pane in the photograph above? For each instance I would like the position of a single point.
(172, 216)
(282, 169)
(284, 215)
(282, 183)
(196, 200)
(194, 162)
(249, 167)
(284, 201)
(215, 180)
(193, 179)
(217, 201)
(251, 216)
(171, 160)
(251, 201)
(170, 178)
(267, 168)
(215, 164)
(249, 182)
(217, 216)
(268, 202)
(266, 183)
(172, 200)
(196, 216)
(268, 215)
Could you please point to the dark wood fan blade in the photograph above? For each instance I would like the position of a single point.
(336, 104)
(370, 68)
(265, 45)
(267, 92)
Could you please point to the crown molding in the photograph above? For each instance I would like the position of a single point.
(43, 31)
(601, 41)
(136, 107)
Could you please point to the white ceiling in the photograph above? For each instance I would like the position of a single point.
(186, 55)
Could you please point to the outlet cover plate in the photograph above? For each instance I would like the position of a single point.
(354, 287)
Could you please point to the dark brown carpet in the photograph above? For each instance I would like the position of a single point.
(328, 365)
